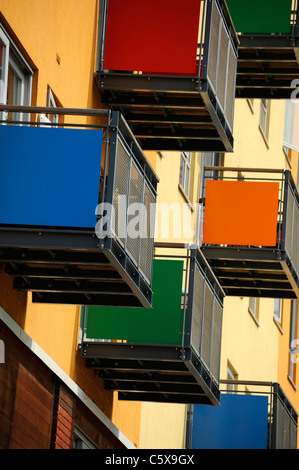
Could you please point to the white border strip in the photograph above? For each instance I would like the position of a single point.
(48, 361)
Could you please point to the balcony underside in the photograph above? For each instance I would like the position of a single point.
(253, 272)
(168, 113)
(152, 373)
(266, 67)
(72, 267)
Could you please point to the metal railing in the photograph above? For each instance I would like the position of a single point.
(219, 58)
(202, 306)
(290, 227)
(282, 416)
(287, 191)
(216, 59)
(125, 172)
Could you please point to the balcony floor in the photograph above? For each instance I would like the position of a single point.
(151, 373)
(266, 66)
(253, 272)
(71, 267)
(168, 113)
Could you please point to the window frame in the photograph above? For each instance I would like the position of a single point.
(278, 307)
(264, 119)
(292, 338)
(81, 441)
(185, 172)
(15, 61)
(254, 308)
(231, 375)
(51, 103)
(4, 67)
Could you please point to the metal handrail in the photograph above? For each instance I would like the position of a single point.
(54, 110)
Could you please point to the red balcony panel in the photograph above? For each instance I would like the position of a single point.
(152, 35)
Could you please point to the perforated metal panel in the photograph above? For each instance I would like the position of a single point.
(279, 426)
(207, 327)
(231, 87)
(222, 64)
(206, 324)
(133, 201)
(197, 311)
(147, 235)
(216, 341)
(134, 222)
(286, 428)
(293, 438)
(121, 184)
(295, 235)
(214, 47)
(292, 228)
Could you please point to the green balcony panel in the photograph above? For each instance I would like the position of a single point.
(268, 52)
(162, 324)
(261, 16)
(170, 353)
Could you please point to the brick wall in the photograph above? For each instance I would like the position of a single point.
(63, 418)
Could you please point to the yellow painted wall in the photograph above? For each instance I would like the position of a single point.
(250, 149)
(251, 348)
(182, 210)
(59, 39)
(163, 426)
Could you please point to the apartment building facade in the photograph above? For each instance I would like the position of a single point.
(118, 342)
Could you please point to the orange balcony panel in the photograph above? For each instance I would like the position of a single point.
(241, 213)
(158, 37)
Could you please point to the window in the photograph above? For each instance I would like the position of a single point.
(4, 48)
(51, 103)
(185, 170)
(264, 118)
(81, 441)
(254, 307)
(293, 330)
(231, 377)
(278, 310)
(290, 136)
(207, 159)
(15, 77)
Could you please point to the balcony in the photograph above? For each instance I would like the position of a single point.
(250, 232)
(66, 192)
(268, 55)
(170, 67)
(263, 419)
(170, 353)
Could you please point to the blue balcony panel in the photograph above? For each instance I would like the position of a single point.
(51, 183)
